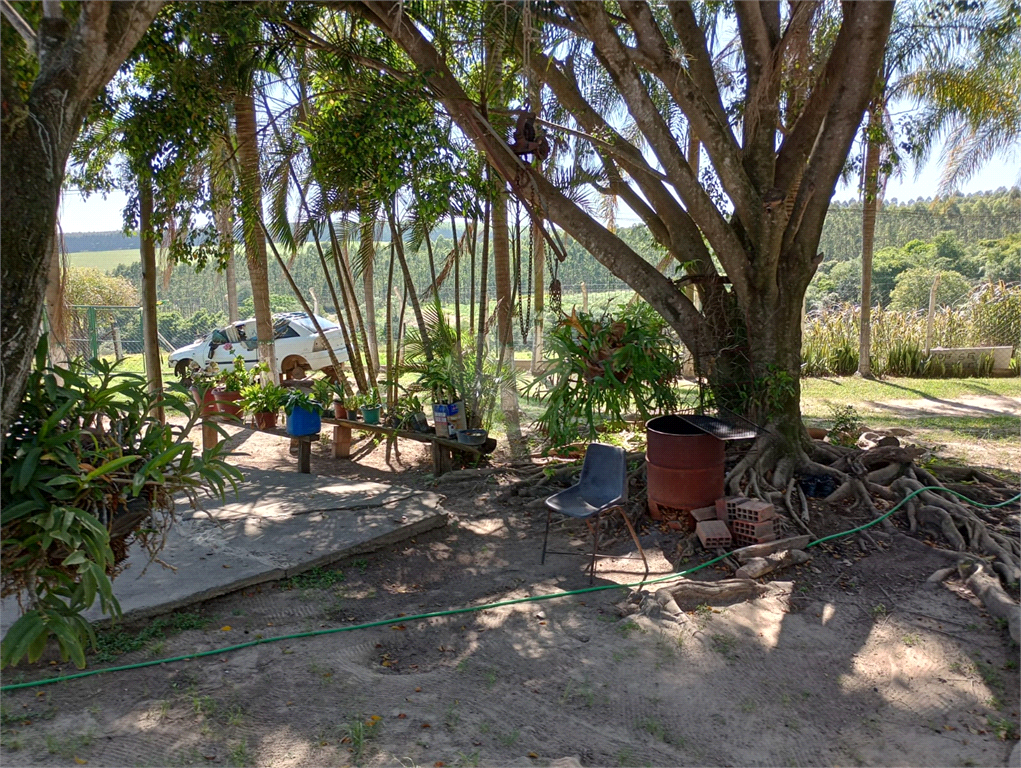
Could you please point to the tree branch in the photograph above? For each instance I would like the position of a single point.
(683, 235)
(851, 79)
(533, 187)
(845, 62)
(715, 134)
(762, 89)
(20, 25)
(614, 57)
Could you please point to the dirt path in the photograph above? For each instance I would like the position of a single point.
(850, 660)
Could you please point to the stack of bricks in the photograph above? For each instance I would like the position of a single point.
(749, 521)
(726, 508)
(754, 522)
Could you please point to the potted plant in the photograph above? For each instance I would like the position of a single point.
(369, 406)
(330, 395)
(263, 401)
(303, 413)
(232, 381)
(407, 413)
(203, 384)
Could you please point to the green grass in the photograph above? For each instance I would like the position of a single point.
(317, 578)
(850, 389)
(111, 644)
(105, 261)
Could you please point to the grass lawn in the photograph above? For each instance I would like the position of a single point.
(854, 390)
(104, 261)
(983, 437)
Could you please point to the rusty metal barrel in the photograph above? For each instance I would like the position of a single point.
(684, 467)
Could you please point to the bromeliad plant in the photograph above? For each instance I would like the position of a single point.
(604, 368)
(87, 469)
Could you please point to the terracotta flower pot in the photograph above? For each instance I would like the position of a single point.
(339, 411)
(227, 402)
(208, 403)
(265, 420)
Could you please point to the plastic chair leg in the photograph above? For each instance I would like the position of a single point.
(595, 547)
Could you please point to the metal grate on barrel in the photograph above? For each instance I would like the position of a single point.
(718, 428)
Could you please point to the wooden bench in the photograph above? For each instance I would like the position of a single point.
(442, 448)
(210, 437)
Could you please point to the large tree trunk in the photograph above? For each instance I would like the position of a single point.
(255, 242)
(147, 246)
(870, 205)
(75, 63)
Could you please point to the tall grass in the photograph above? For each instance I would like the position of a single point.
(991, 316)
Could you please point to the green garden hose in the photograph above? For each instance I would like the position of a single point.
(474, 608)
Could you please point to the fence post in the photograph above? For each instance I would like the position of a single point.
(932, 312)
(118, 348)
(93, 334)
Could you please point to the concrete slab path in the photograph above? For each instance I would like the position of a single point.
(281, 523)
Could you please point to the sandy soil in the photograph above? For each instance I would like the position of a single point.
(849, 660)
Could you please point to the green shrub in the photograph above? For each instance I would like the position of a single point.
(86, 467)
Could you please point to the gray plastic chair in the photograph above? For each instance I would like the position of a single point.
(601, 488)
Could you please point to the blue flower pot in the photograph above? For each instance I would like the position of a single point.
(370, 415)
(301, 422)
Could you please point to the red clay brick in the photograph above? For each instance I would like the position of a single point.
(725, 507)
(713, 534)
(704, 513)
(754, 530)
(753, 511)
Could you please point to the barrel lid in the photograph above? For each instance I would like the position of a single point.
(711, 425)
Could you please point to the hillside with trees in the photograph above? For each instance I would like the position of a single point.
(971, 239)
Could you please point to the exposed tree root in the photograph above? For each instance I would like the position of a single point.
(889, 473)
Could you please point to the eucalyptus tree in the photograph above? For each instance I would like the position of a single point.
(747, 232)
(53, 63)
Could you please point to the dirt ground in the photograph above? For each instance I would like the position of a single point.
(850, 659)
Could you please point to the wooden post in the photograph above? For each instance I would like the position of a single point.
(932, 312)
(341, 442)
(118, 348)
(584, 298)
(305, 455)
(149, 332)
(210, 436)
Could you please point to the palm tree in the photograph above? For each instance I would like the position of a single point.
(970, 93)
